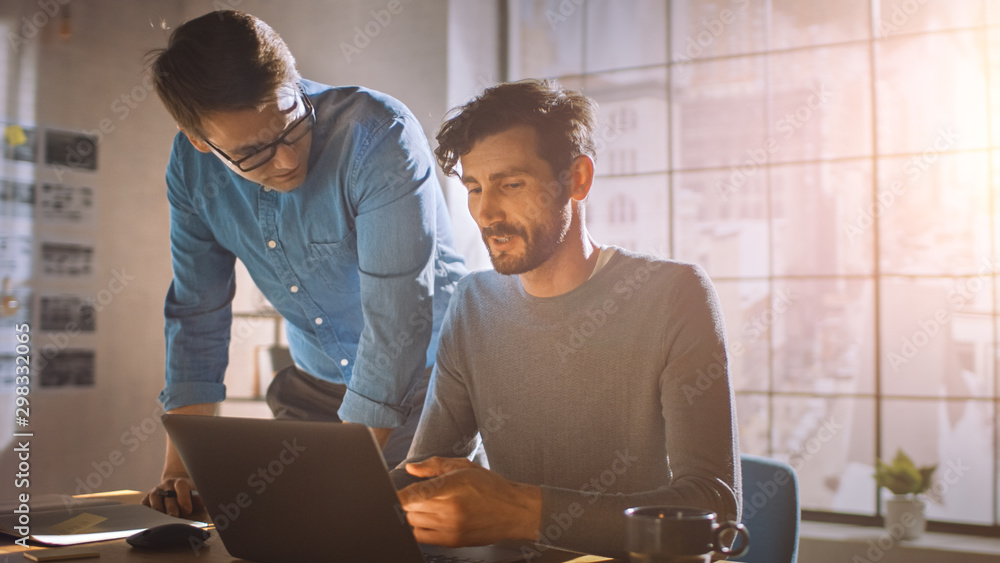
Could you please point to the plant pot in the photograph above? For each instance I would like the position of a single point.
(905, 517)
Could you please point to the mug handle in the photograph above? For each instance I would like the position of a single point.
(741, 531)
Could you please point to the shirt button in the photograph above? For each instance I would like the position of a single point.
(343, 362)
(294, 289)
(271, 244)
(319, 320)
(267, 189)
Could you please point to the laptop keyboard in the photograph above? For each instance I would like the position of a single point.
(449, 559)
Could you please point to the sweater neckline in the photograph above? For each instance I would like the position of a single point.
(595, 277)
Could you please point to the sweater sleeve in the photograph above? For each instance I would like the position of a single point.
(447, 425)
(701, 436)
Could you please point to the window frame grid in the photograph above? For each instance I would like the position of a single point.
(876, 276)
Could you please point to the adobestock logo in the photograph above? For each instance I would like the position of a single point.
(33, 24)
(259, 481)
(788, 125)
(566, 8)
(60, 340)
(364, 34)
(898, 16)
(712, 29)
(132, 439)
(597, 317)
(753, 330)
(928, 328)
(559, 523)
(914, 168)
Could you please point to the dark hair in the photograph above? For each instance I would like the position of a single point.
(564, 122)
(221, 61)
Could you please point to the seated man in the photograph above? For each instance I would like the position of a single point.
(578, 371)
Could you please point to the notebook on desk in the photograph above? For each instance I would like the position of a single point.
(281, 490)
(82, 522)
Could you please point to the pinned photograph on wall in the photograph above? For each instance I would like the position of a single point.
(71, 150)
(7, 372)
(70, 313)
(17, 199)
(20, 143)
(15, 250)
(66, 260)
(67, 368)
(72, 205)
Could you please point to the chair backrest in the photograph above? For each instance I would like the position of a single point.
(770, 510)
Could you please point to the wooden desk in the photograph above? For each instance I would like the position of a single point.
(117, 550)
(212, 552)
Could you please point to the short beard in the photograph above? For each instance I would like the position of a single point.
(540, 243)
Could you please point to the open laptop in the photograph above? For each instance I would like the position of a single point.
(280, 490)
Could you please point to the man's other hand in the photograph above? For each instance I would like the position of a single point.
(462, 504)
(176, 496)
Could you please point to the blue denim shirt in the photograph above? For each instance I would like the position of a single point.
(359, 260)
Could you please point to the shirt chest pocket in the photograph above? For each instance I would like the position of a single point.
(335, 264)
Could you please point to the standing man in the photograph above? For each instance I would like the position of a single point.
(329, 197)
(574, 361)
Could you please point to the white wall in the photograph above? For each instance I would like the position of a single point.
(78, 80)
(473, 64)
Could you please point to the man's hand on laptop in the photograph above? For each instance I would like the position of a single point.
(463, 504)
(176, 496)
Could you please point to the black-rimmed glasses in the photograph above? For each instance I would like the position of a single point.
(290, 136)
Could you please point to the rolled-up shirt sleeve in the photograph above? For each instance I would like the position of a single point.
(197, 311)
(393, 186)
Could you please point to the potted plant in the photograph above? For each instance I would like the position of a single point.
(907, 483)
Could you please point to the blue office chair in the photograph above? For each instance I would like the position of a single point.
(770, 510)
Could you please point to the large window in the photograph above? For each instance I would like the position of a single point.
(832, 166)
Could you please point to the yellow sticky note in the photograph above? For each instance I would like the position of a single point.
(76, 524)
(15, 135)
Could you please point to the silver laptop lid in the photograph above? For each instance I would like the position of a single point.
(281, 490)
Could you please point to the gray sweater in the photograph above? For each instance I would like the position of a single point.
(613, 395)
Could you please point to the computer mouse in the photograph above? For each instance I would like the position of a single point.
(167, 536)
